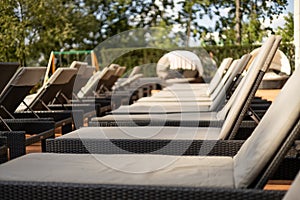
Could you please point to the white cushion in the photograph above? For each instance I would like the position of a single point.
(183, 117)
(121, 169)
(269, 134)
(293, 193)
(158, 107)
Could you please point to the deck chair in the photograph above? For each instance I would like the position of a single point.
(68, 89)
(108, 85)
(19, 85)
(11, 96)
(54, 85)
(91, 175)
(212, 103)
(235, 108)
(7, 69)
(95, 83)
(38, 106)
(192, 103)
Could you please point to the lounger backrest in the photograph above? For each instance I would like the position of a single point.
(54, 85)
(268, 136)
(219, 74)
(113, 78)
(78, 64)
(130, 80)
(86, 74)
(235, 72)
(7, 70)
(19, 87)
(254, 76)
(68, 88)
(224, 80)
(91, 85)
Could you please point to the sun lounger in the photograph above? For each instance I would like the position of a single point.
(11, 96)
(251, 167)
(37, 106)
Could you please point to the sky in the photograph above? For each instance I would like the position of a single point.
(278, 21)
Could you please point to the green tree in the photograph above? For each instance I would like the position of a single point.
(287, 31)
(247, 13)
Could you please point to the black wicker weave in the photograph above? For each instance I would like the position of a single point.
(3, 149)
(15, 142)
(46, 190)
(39, 129)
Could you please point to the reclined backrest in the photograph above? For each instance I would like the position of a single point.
(7, 69)
(83, 79)
(247, 88)
(111, 79)
(225, 64)
(54, 85)
(234, 71)
(19, 87)
(271, 139)
(67, 89)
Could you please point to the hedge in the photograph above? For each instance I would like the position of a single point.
(136, 57)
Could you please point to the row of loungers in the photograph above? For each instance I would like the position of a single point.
(129, 161)
(50, 107)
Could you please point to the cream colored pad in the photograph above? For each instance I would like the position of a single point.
(294, 192)
(121, 169)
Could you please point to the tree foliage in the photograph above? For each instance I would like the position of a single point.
(31, 29)
(287, 32)
(252, 13)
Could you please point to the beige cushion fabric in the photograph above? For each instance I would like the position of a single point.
(182, 86)
(162, 108)
(176, 98)
(92, 82)
(121, 169)
(248, 82)
(294, 192)
(219, 74)
(27, 76)
(269, 133)
(62, 76)
(153, 132)
(183, 117)
(78, 64)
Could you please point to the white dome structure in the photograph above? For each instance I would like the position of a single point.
(178, 60)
